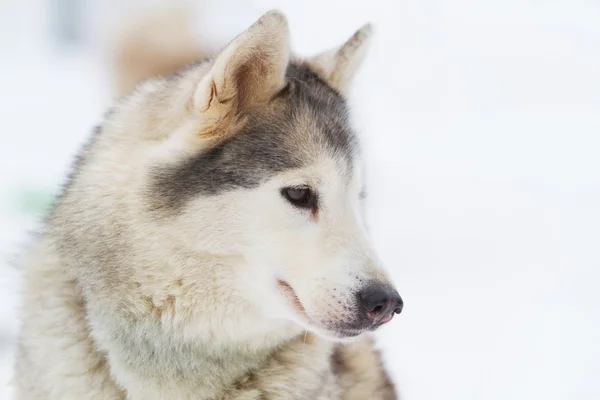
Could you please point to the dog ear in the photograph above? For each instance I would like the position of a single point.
(338, 66)
(248, 72)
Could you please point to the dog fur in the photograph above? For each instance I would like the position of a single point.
(173, 267)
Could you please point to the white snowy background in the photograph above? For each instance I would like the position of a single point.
(480, 122)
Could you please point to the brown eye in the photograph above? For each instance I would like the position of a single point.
(300, 196)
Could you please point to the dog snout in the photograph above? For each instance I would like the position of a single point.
(380, 303)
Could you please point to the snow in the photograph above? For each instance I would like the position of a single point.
(480, 123)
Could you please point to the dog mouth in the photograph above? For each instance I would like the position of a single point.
(338, 331)
(383, 320)
(292, 297)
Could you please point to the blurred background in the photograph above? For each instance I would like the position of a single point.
(480, 123)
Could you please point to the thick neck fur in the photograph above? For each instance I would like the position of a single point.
(181, 329)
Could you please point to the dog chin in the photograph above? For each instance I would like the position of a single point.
(334, 335)
(337, 335)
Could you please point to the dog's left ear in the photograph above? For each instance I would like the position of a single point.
(338, 66)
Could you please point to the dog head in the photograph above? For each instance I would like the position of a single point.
(280, 183)
(251, 157)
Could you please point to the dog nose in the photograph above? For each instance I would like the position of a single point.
(380, 302)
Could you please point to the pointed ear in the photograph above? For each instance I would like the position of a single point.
(338, 66)
(248, 72)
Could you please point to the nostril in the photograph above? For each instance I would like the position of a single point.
(376, 300)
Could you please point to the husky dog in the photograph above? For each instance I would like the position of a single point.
(209, 243)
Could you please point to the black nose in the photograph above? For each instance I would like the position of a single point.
(380, 302)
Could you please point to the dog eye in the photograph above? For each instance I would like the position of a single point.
(300, 196)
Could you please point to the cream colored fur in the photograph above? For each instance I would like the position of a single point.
(187, 307)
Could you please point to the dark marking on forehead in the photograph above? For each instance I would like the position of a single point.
(306, 118)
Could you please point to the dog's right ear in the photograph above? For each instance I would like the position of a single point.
(246, 74)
